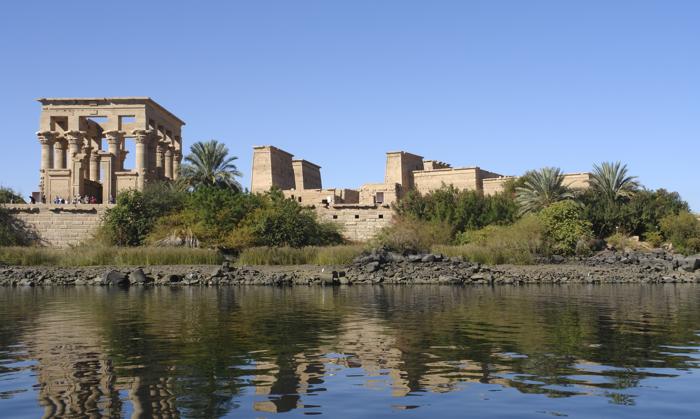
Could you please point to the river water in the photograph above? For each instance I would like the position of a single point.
(624, 351)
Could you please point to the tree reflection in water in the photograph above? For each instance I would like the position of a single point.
(205, 352)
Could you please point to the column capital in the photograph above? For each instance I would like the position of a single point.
(60, 143)
(113, 134)
(47, 137)
(161, 146)
(142, 136)
(74, 135)
(169, 151)
(95, 156)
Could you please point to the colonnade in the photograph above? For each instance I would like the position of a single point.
(157, 158)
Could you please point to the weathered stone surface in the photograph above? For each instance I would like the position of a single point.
(115, 278)
(138, 277)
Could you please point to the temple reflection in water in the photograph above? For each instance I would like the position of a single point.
(208, 352)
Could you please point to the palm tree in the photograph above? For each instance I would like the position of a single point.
(209, 164)
(612, 182)
(541, 188)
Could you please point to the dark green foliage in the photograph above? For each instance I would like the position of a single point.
(283, 222)
(208, 164)
(683, 230)
(132, 219)
(640, 214)
(460, 209)
(565, 226)
(7, 195)
(12, 232)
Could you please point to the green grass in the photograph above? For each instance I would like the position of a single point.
(310, 255)
(106, 255)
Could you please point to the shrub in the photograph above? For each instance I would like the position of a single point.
(461, 209)
(654, 238)
(564, 226)
(8, 195)
(519, 243)
(282, 222)
(621, 241)
(12, 231)
(683, 231)
(408, 235)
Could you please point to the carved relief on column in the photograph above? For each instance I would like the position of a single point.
(95, 165)
(169, 162)
(59, 153)
(142, 138)
(75, 141)
(114, 139)
(177, 158)
(47, 139)
(160, 158)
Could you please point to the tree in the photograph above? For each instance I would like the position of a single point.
(541, 188)
(209, 164)
(612, 182)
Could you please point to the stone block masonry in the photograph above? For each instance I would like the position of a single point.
(358, 223)
(60, 225)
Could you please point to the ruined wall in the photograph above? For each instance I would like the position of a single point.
(358, 223)
(60, 225)
(368, 193)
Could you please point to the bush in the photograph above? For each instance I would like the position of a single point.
(461, 209)
(564, 226)
(282, 222)
(8, 195)
(519, 243)
(12, 231)
(621, 241)
(136, 213)
(409, 235)
(683, 231)
(654, 238)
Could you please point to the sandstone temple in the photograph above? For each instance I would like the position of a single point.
(301, 179)
(75, 161)
(84, 149)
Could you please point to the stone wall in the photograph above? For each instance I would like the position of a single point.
(60, 225)
(577, 180)
(358, 223)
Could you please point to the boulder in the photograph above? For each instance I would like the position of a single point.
(173, 278)
(138, 277)
(115, 278)
(690, 264)
(372, 267)
(428, 258)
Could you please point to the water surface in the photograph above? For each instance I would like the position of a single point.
(394, 351)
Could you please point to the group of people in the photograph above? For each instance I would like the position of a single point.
(76, 200)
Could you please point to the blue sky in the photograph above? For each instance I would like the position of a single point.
(505, 85)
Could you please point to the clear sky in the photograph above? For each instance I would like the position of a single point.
(505, 85)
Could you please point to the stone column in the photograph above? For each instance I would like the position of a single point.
(108, 180)
(95, 165)
(142, 138)
(75, 142)
(169, 162)
(160, 158)
(177, 157)
(152, 154)
(47, 139)
(114, 139)
(59, 153)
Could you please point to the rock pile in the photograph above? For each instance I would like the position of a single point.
(380, 267)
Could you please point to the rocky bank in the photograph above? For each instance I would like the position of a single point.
(378, 267)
